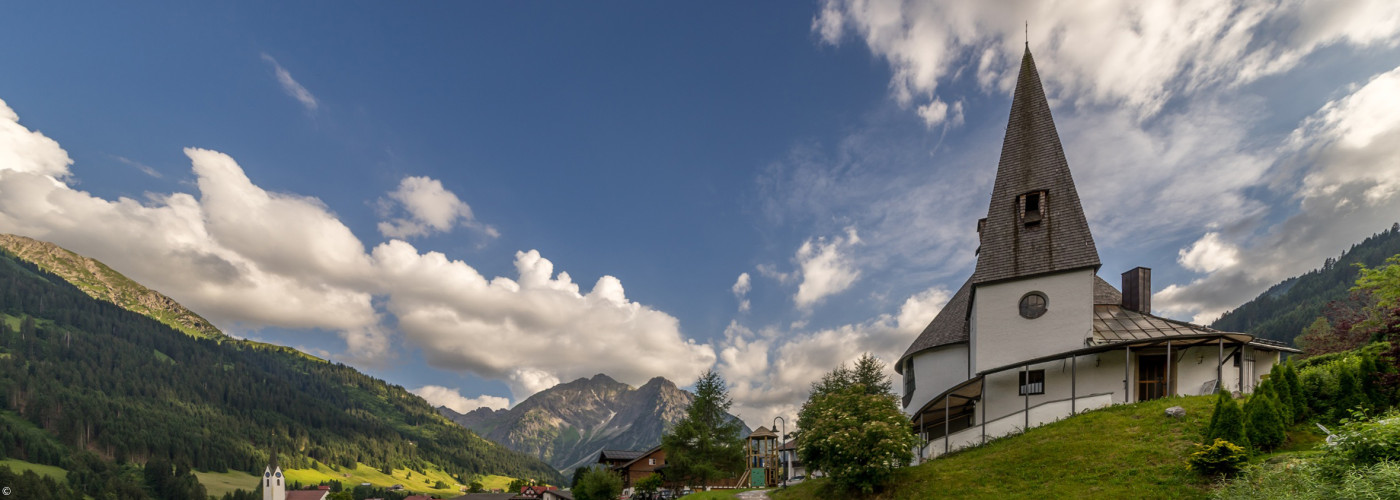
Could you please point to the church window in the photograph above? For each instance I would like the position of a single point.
(1032, 382)
(1033, 305)
(1032, 207)
(909, 376)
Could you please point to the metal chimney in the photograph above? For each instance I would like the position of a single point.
(1137, 290)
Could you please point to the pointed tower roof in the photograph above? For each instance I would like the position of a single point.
(1016, 244)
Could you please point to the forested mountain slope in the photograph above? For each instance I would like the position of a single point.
(1284, 310)
(94, 376)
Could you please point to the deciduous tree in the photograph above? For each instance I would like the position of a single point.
(852, 428)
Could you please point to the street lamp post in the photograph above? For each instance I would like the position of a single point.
(782, 441)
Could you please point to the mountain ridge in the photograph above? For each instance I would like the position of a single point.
(568, 424)
(103, 283)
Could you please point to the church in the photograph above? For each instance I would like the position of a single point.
(1034, 335)
(274, 486)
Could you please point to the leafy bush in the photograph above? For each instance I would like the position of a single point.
(1303, 480)
(649, 484)
(598, 483)
(1220, 458)
(1361, 442)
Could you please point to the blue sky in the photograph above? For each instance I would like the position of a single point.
(768, 190)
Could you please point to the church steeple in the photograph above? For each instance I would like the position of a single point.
(1035, 224)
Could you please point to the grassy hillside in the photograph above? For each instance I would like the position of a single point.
(1125, 451)
(19, 466)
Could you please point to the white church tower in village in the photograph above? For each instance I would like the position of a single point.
(1034, 335)
(274, 485)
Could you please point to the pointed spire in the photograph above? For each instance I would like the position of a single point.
(1035, 224)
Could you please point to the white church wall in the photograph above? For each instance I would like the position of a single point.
(1014, 424)
(1004, 337)
(1091, 374)
(937, 370)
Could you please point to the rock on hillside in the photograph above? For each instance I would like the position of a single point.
(568, 424)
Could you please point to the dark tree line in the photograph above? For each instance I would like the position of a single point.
(78, 374)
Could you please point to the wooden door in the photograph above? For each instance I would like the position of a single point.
(1152, 377)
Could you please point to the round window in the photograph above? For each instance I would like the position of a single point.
(1033, 305)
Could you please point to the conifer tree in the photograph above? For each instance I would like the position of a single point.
(705, 445)
(1227, 422)
(1214, 424)
(1279, 388)
(1263, 424)
(1295, 388)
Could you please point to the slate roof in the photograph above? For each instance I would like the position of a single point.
(1032, 159)
(621, 454)
(948, 327)
(1104, 293)
(307, 494)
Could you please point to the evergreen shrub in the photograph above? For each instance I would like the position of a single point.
(1220, 458)
(1227, 421)
(1263, 424)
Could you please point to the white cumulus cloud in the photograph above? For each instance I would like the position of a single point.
(427, 207)
(248, 258)
(826, 268)
(437, 395)
(771, 372)
(741, 290)
(1209, 254)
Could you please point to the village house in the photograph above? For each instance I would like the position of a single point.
(642, 463)
(533, 492)
(1034, 335)
(787, 453)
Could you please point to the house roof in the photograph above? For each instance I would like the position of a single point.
(1104, 293)
(639, 457)
(624, 455)
(1113, 324)
(948, 327)
(484, 496)
(1032, 159)
(307, 494)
